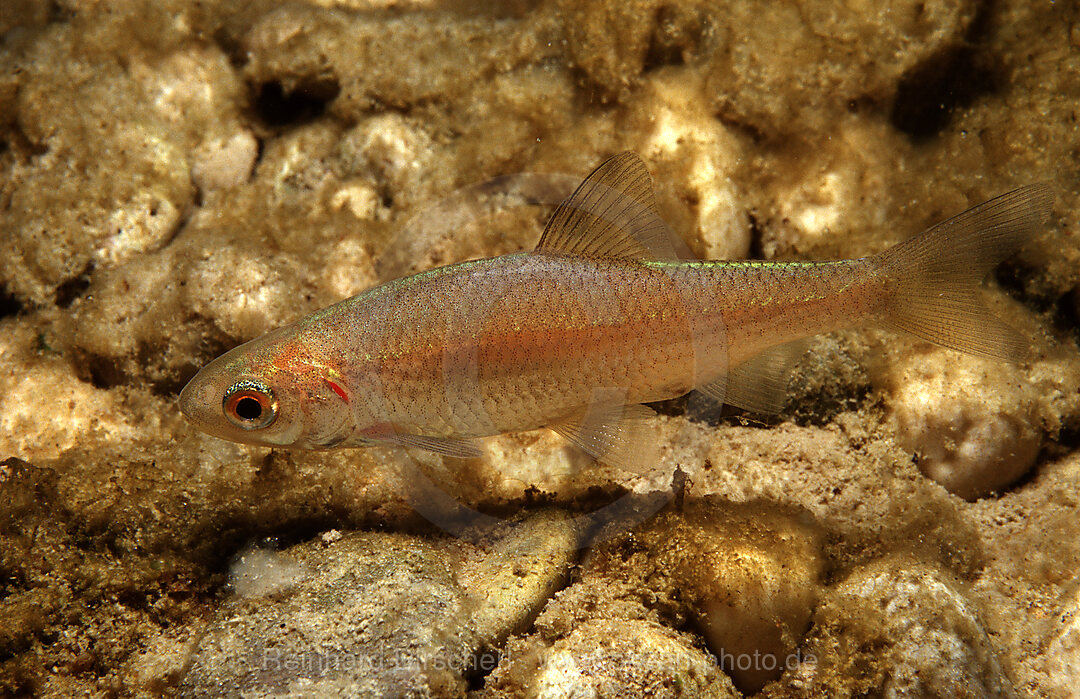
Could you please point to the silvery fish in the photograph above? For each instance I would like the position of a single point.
(600, 318)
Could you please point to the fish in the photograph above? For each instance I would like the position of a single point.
(601, 318)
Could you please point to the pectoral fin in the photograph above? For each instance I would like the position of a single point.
(457, 448)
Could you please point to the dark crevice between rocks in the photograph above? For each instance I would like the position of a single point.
(930, 93)
(1054, 448)
(231, 45)
(757, 239)
(480, 666)
(1047, 454)
(818, 410)
(9, 304)
(101, 372)
(60, 12)
(155, 365)
(675, 36)
(1067, 314)
(265, 517)
(219, 542)
(260, 151)
(735, 122)
(827, 386)
(1068, 438)
(73, 288)
(804, 409)
(22, 147)
(1028, 286)
(439, 513)
(698, 408)
(277, 107)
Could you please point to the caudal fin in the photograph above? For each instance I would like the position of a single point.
(933, 278)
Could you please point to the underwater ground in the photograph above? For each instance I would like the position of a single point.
(181, 176)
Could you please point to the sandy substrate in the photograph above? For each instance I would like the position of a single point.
(179, 177)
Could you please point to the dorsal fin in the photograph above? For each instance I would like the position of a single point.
(612, 214)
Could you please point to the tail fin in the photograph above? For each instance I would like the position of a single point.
(933, 278)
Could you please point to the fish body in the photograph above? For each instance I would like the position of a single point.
(577, 334)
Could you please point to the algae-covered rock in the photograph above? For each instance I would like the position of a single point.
(973, 435)
(926, 637)
(377, 614)
(744, 577)
(748, 576)
(611, 658)
(69, 209)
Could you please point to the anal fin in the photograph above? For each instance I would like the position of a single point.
(759, 384)
(612, 433)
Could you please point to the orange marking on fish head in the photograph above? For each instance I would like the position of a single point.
(291, 358)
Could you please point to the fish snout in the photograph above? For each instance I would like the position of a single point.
(200, 403)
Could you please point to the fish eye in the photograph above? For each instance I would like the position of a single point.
(250, 405)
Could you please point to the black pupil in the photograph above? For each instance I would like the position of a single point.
(248, 408)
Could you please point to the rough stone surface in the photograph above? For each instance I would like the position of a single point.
(1061, 661)
(746, 575)
(926, 637)
(177, 177)
(377, 614)
(612, 658)
(973, 434)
